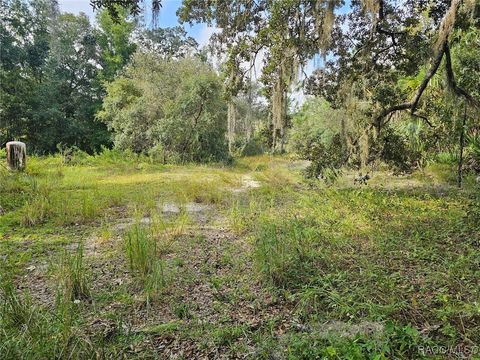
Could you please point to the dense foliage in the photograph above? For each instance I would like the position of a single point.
(391, 56)
(49, 78)
(60, 74)
(319, 135)
(171, 108)
(56, 68)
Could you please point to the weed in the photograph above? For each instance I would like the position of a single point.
(141, 250)
(182, 311)
(73, 276)
(16, 312)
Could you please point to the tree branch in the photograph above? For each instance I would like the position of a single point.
(444, 29)
(451, 79)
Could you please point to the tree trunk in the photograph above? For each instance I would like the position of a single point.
(462, 145)
(16, 155)
(231, 125)
(279, 113)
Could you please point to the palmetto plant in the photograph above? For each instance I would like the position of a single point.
(473, 143)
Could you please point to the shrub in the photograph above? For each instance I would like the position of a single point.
(315, 136)
(251, 147)
(397, 153)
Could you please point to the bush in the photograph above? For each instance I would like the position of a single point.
(472, 157)
(249, 147)
(397, 153)
(315, 136)
(326, 160)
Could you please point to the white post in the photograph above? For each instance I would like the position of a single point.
(16, 155)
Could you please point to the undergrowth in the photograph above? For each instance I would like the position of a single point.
(398, 260)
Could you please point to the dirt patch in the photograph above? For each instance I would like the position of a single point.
(170, 208)
(36, 283)
(190, 208)
(200, 213)
(247, 183)
(340, 329)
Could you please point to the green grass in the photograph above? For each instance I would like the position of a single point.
(73, 276)
(30, 331)
(408, 255)
(262, 277)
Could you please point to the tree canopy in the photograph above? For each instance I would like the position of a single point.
(173, 109)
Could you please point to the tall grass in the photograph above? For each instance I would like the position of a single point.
(141, 250)
(144, 246)
(29, 331)
(73, 275)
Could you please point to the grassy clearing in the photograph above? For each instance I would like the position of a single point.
(93, 262)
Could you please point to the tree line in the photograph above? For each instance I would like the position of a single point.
(58, 71)
(398, 81)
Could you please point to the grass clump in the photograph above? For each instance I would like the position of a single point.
(143, 255)
(73, 275)
(28, 331)
(141, 250)
(16, 312)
